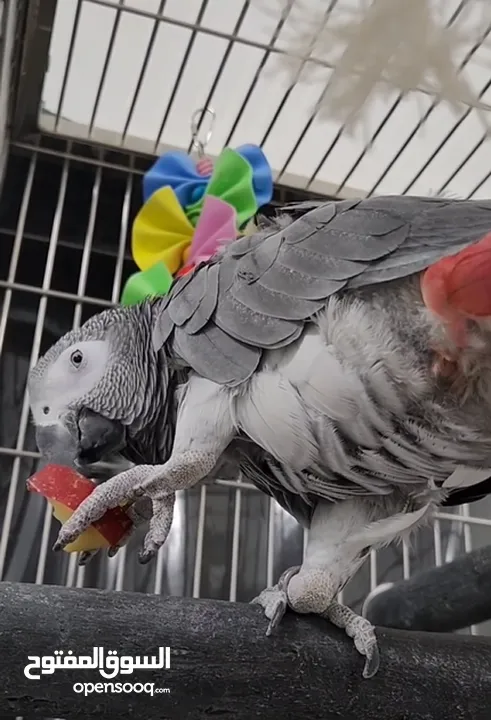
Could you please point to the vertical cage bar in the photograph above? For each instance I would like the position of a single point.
(270, 550)
(235, 546)
(123, 234)
(7, 45)
(198, 558)
(373, 569)
(406, 565)
(437, 539)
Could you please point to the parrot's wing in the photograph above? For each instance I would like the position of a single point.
(261, 291)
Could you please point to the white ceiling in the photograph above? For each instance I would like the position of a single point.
(244, 59)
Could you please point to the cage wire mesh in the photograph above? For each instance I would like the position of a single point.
(122, 84)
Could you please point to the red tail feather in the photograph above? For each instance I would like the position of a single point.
(461, 284)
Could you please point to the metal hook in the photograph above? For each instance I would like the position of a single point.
(196, 122)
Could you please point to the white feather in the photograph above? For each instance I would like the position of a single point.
(383, 532)
(271, 413)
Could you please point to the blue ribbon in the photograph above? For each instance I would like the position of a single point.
(178, 171)
(262, 178)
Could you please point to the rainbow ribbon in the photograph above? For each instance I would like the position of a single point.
(187, 215)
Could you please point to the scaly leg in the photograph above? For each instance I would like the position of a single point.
(339, 539)
(204, 429)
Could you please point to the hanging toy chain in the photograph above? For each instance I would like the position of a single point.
(204, 166)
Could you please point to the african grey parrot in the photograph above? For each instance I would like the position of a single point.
(339, 358)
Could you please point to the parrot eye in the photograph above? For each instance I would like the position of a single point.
(76, 358)
(45, 409)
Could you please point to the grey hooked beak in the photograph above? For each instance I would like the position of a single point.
(56, 445)
(93, 438)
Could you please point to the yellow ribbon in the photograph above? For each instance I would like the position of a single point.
(153, 241)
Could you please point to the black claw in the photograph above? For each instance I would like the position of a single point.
(112, 551)
(145, 557)
(57, 546)
(84, 557)
(276, 619)
(372, 663)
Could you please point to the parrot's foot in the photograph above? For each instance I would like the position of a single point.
(274, 600)
(313, 591)
(157, 505)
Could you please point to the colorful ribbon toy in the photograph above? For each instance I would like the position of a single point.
(190, 210)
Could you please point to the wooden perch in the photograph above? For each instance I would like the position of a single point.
(443, 599)
(222, 665)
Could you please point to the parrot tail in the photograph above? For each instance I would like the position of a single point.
(457, 290)
(460, 285)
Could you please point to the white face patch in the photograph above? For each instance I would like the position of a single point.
(73, 374)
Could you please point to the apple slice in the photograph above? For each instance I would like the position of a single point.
(65, 489)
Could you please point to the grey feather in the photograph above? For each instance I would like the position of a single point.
(318, 264)
(259, 259)
(207, 306)
(282, 279)
(183, 307)
(163, 327)
(391, 267)
(216, 349)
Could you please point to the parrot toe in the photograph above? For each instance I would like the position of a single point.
(274, 603)
(86, 556)
(160, 525)
(360, 630)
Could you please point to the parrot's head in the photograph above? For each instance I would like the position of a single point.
(91, 393)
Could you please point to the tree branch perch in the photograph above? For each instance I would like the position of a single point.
(223, 666)
(442, 599)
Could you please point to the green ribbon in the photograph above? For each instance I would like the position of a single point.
(231, 181)
(155, 281)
